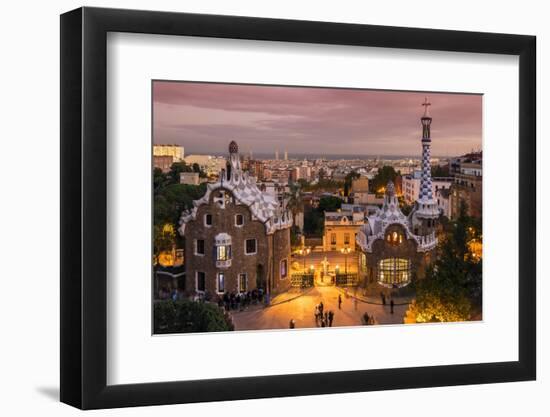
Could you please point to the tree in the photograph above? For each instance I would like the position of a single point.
(163, 239)
(294, 200)
(329, 203)
(453, 283)
(184, 316)
(176, 169)
(384, 175)
(440, 171)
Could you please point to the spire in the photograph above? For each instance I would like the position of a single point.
(426, 194)
(426, 104)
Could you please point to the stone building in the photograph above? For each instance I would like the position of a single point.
(396, 248)
(237, 238)
(341, 227)
(467, 188)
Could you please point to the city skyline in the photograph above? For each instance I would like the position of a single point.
(306, 120)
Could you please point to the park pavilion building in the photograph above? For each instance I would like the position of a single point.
(396, 248)
(237, 238)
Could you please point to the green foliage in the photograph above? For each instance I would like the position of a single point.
(385, 174)
(163, 240)
(314, 220)
(329, 203)
(186, 316)
(440, 171)
(176, 169)
(314, 223)
(171, 200)
(453, 283)
(324, 184)
(405, 208)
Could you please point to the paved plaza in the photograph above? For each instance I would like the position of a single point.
(302, 308)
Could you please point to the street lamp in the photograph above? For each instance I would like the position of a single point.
(304, 252)
(346, 251)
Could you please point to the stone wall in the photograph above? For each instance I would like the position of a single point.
(271, 249)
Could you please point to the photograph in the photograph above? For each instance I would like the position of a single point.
(298, 207)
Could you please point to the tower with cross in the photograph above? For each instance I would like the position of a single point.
(426, 212)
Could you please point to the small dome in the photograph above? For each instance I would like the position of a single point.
(233, 147)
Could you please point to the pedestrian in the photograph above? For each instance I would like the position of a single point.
(326, 316)
(316, 314)
(291, 325)
(391, 306)
(366, 318)
(339, 301)
(330, 318)
(321, 306)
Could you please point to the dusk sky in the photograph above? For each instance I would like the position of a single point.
(205, 117)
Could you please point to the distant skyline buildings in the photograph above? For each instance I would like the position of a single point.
(311, 121)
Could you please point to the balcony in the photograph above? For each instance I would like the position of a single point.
(223, 264)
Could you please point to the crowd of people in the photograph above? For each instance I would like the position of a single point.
(323, 318)
(241, 301)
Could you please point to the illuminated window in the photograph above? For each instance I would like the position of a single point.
(222, 243)
(346, 238)
(243, 283)
(394, 271)
(333, 238)
(284, 268)
(221, 282)
(394, 238)
(223, 253)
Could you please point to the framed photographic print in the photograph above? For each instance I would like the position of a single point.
(258, 207)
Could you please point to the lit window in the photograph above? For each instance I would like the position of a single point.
(221, 282)
(333, 238)
(223, 253)
(243, 283)
(250, 247)
(346, 238)
(208, 219)
(283, 269)
(394, 271)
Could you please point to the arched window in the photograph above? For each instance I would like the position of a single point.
(222, 243)
(394, 272)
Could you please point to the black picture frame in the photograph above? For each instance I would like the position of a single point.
(84, 207)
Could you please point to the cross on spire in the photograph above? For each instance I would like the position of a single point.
(426, 104)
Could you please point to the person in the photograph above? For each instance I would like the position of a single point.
(339, 301)
(321, 308)
(366, 318)
(326, 316)
(391, 306)
(330, 318)
(316, 314)
(292, 325)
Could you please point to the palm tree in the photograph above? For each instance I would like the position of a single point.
(294, 200)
